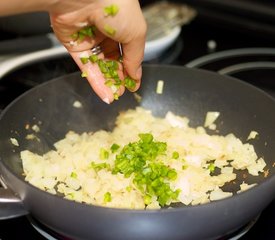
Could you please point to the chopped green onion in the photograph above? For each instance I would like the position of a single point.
(175, 155)
(99, 166)
(84, 74)
(71, 196)
(129, 83)
(102, 66)
(109, 83)
(107, 75)
(111, 10)
(104, 154)
(114, 74)
(146, 137)
(93, 58)
(107, 197)
(114, 147)
(116, 97)
(147, 199)
(211, 167)
(88, 31)
(184, 167)
(118, 82)
(112, 64)
(84, 60)
(129, 189)
(109, 30)
(73, 175)
(150, 175)
(172, 175)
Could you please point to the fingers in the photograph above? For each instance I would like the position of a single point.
(133, 49)
(78, 37)
(81, 47)
(127, 26)
(132, 59)
(96, 78)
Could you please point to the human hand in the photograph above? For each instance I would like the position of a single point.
(126, 26)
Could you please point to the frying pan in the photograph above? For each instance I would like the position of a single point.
(188, 92)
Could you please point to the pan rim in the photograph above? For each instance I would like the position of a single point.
(152, 211)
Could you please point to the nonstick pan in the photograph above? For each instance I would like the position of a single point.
(187, 92)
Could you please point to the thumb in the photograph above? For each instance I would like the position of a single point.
(132, 59)
(133, 53)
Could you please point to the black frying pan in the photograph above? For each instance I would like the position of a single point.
(187, 92)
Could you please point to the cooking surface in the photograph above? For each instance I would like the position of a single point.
(198, 39)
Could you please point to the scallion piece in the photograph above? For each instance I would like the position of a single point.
(88, 31)
(116, 97)
(93, 58)
(183, 167)
(109, 30)
(175, 155)
(147, 199)
(109, 83)
(84, 74)
(71, 196)
(114, 147)
(114, 74)
(111, 10)
(112, 65)
(84, 60)
(211, 167)
(102, 66)
(104, 154)
(129, 189)
(73, 175)
(99, 166)
(107, 197)
(150, 176)
(118, 82)
(129, 83)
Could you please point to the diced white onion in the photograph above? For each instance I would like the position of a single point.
(210, 118)
(159, 89)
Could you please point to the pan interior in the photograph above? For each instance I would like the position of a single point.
(186, 92)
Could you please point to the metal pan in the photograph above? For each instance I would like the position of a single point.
(187, 92)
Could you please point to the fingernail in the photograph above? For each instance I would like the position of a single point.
(139, 73)
(106, 100)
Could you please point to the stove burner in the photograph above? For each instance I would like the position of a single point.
(51, 235)
(253, 65)
(239, 55)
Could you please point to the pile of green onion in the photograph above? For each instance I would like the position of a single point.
(140, 159)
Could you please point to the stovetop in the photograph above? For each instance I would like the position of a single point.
(202, 44)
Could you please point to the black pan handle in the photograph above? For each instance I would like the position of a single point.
(10, 205)
(27, 44)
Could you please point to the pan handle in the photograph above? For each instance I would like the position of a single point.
(11, 206)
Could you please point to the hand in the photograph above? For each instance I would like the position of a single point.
(127, 27)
